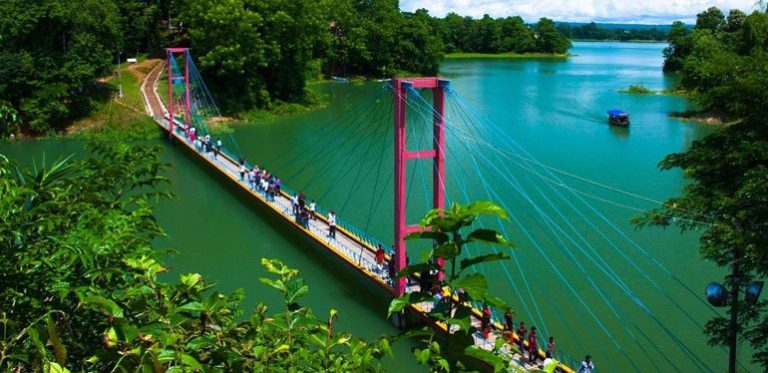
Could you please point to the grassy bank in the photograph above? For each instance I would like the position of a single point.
(115, 117)
(453, 56)
(704, 117)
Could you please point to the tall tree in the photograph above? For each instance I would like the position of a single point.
(711, 19)
(679, 47)
(549, 40)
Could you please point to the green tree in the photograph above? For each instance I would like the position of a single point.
(51, 55)
(679, 47)
(445, 228)
(231, 50)
(549, 40)
(516, 36)
(735, 20)
(711, 19)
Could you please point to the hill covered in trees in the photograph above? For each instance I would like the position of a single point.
(594, 31)
(253, 53)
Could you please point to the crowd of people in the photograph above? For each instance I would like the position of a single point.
(262, 181)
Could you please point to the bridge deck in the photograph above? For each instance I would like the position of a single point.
(353, 250)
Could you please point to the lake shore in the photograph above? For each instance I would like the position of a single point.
(454, 56)
(621, 41)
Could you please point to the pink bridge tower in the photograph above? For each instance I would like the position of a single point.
(183, 101)
(401, 86)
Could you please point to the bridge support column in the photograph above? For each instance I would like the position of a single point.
(174, 77)
(401, 86)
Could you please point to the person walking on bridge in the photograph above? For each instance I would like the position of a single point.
(587, 366)
(380, 256)
(242, 172)
(509, 325)
(312, 207)
(551, 346)
(295, 204)
(533, 346)
(217, 149)
(332, 225)
(522, 333)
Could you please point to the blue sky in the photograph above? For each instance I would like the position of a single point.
(614, 11)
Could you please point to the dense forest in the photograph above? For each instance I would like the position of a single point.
(253, 53)
(500, 35)
(723, 65)
(592, 31)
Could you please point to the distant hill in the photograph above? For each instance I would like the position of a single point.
(625, 26)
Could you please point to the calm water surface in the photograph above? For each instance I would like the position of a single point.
(581, 273)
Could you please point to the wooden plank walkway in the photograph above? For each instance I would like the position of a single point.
(349, 247)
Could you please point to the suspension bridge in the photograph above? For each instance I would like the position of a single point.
(423, 131)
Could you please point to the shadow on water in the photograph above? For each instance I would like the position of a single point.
(621, 133)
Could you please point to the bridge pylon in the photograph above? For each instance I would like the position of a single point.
(401, 87)
(183, 102)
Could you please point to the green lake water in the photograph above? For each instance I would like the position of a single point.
(581, 272)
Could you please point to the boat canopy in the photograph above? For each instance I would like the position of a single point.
(617, 112)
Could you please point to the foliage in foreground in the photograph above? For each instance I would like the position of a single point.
(446, 351)
(81, 289)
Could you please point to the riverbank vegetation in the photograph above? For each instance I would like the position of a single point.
(638, 89)
(723, 62)
(255, 55)
(81, 288)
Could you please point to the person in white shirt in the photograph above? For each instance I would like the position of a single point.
(332, 224)
(312, 210)
(295, 203)
(587, 366)
(242, 172)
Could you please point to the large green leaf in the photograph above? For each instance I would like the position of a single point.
(468, 262)
(486, 208)
(105, 304)
(446, 251)
(191, 362)
(400, 303)
(295, 288)
(474, 284)
(486, 356)
(488, 236)
(191, 307)
(440, 237)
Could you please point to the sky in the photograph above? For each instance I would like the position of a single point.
(606, 11)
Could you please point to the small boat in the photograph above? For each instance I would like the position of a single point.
(618, 117)
(340, 79)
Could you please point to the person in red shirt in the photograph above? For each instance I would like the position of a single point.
(485, 322)
(380, 256)
(533, 346)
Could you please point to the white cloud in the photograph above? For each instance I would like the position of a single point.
(616, 11)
